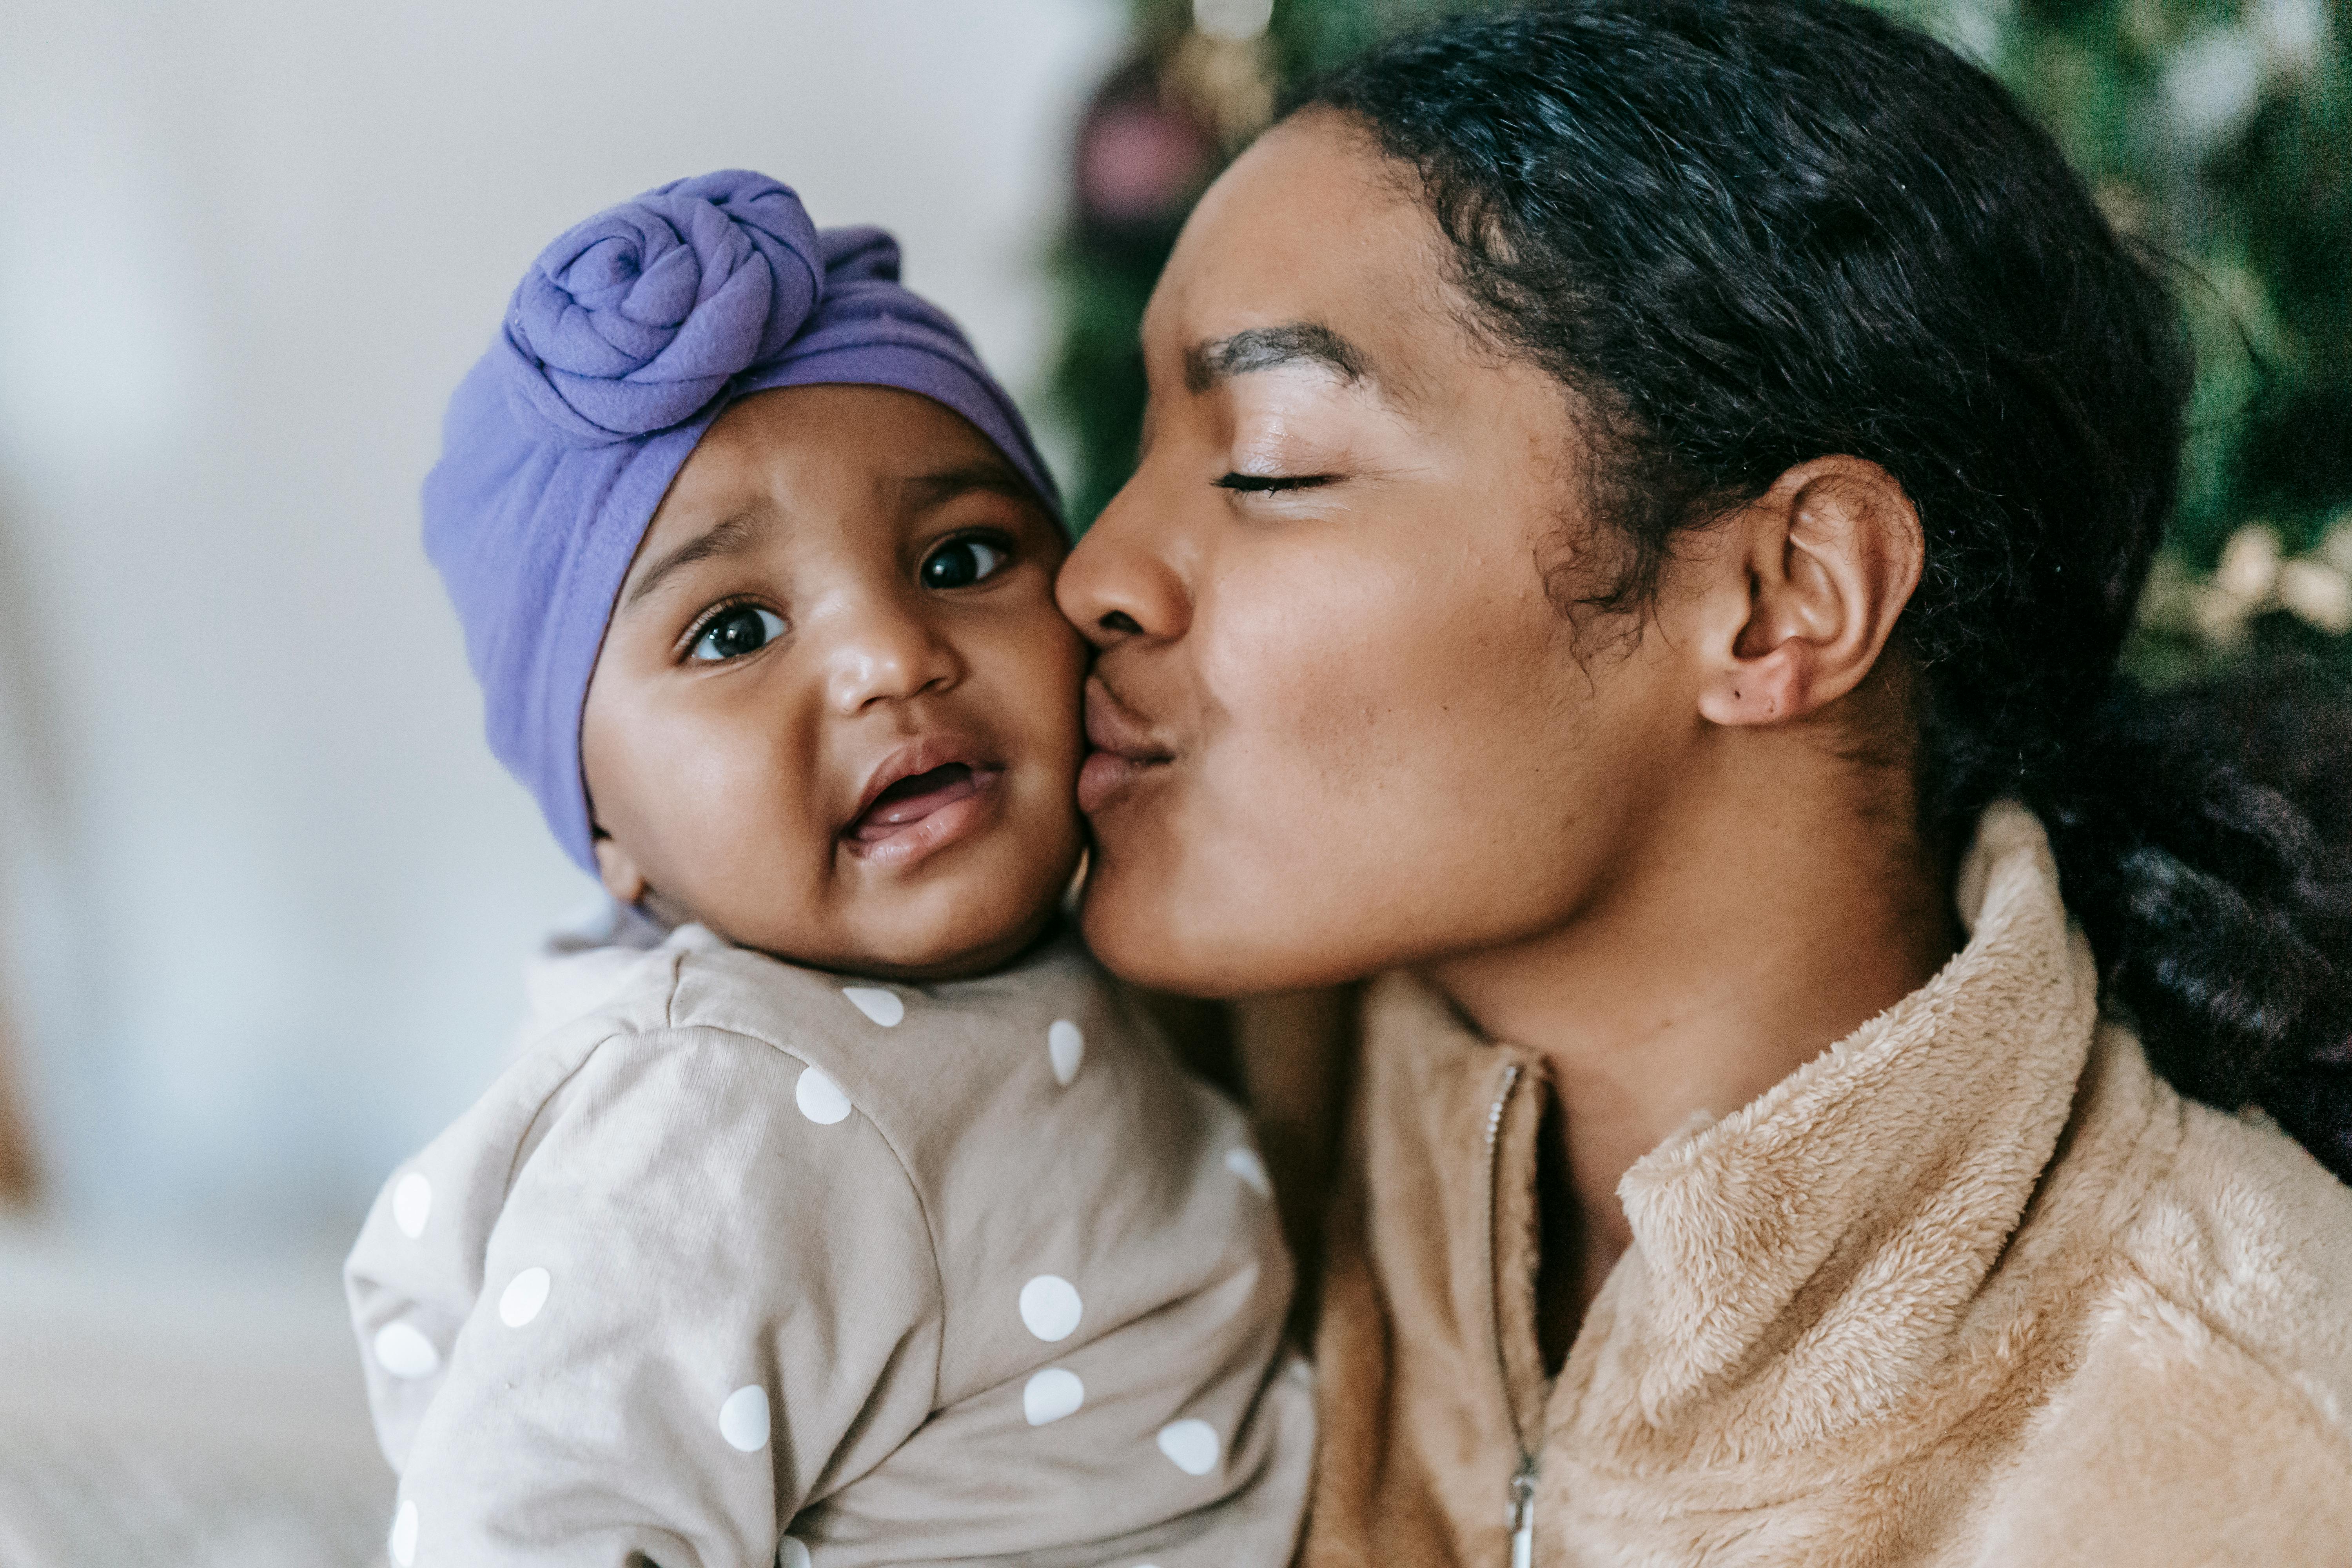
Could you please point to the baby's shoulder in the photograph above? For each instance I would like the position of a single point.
(637, 1104)
(934, 1059)
(639, 1048)
(731, 1011)
(958, 1084)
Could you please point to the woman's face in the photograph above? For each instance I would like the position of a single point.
(1339, 724)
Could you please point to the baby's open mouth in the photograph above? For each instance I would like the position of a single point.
(917, 796)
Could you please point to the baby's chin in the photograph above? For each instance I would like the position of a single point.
(954, 921)
(959, 959)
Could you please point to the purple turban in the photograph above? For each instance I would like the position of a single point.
(626, 337)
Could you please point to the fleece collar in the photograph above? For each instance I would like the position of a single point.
(1973, 1286)
(1805, 1267)
(1801, 1266)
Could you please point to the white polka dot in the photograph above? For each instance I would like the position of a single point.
(819, 1098)
(790, 1553)
(1191, 1445)
(1065, 1047)
(1050, 1305)
(411, 1205)
(883, 1006)
(525, 1294)
(401, 1350)
(403, 1544)
(1052, 1394)
(744, 1419)
(1243, 1162)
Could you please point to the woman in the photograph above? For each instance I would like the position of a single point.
(1640, 503)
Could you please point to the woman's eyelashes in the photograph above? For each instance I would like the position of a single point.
(964, 560)
(1261, 484)
(731, 631)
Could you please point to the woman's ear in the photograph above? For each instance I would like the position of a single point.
(1831, 553)
(617, 870)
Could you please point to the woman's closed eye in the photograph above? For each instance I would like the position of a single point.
(731, 631)
(1260, 484)
(964, 560)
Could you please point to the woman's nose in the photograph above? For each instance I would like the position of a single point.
(1125, 578)
(884, 651)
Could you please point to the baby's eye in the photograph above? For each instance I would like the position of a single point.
(961, 563)
(736, 631)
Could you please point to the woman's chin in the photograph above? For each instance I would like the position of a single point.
(1151, 933)
(1130, 922)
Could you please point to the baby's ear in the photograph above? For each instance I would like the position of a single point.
(617, 869)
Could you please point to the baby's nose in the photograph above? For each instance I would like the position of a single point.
(884, 654)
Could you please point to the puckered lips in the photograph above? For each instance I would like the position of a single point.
(933, 790)
(1124, 748)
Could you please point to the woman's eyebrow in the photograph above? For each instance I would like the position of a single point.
(731, 537)
(1270, 348)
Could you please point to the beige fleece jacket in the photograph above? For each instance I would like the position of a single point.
(1973, 1288)
(742, 1264)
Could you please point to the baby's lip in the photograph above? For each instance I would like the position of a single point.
(920, 756)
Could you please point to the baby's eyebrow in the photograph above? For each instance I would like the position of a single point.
(731, 537)
(924, 492)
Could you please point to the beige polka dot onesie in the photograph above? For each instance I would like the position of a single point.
(744, 1264)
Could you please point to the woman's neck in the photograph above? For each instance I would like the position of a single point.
(1755, 920)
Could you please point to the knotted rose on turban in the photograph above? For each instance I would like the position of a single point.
(633, 321)
(626, 337)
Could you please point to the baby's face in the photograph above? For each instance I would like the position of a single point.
(835, 716)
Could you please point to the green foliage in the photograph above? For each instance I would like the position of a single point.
(1097, 386)
(2220, 134)
(2217, 131)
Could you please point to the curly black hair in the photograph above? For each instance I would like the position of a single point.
(1749, 233)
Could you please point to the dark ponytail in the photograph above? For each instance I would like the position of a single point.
(1747, 233)
(2204, 840)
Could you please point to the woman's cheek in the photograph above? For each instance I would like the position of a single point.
(1305, 710)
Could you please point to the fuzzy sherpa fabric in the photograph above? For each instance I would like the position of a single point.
(1972, 1288)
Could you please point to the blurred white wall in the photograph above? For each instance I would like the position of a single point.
(267, 892)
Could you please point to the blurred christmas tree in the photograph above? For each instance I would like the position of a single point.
(2217, 130)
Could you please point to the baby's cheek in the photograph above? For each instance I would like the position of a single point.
(759, 839)
(1061, 653)
(1042, 674)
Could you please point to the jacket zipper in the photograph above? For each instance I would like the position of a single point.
(1522, 1514)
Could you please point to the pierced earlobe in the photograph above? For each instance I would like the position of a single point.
(1834, 551)
(1771, 687)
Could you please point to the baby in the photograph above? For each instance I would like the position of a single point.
(839, 1209)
